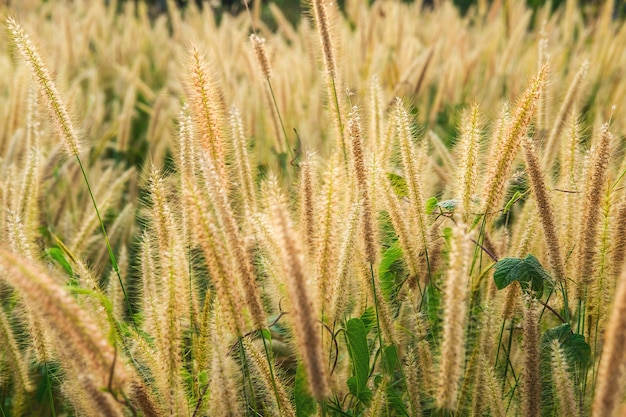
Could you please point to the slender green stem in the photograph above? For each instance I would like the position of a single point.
(280, 117)
(322, 405)
(340, 122)
(500, 341)
(270, 363)
(512, 396)
(191, 326)
(108, 243)
(380, 335)
(508, 353)
(565, 301)
(49, 389)
(247, 379)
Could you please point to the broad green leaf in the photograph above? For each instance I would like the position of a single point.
(431, 205)
(356, 336)
(528, 272)
(433, 302)
(394, 399)
(398, 184)
(391, 359)
(58, 256)
(305, 404)
(369, 318)
(576, 351)
(385, 271)
(574, 346)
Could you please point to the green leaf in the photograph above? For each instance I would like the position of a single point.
(448, 205)
(398, 184)
(58, 256)
(203, 378)
(576, 349)
(512, 201)
(528, 272)
(369, 318)
(305, 404)
(391, 359)
(394, 399)
(577, 354)
(266, 334)
(358, 350)
(447, 235)
(385, 271)
(431, 205)
(433, 303)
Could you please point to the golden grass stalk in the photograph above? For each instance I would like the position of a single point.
(469, 148)
(151, 292)
(610, 381)
(590, 213)
(202, 348)
(507, 149)
(186, 159)
(412, 173)
(618, 253)
(307, 202)
(558, 125)
(281, 139)
(542, 59)
(492, 388)
(544, 207)
(455, 293)
(355, 132)
(142, 399)
(258, 43)
(426, 365)
(16, 235)
(269, 381)
(325, 226)
(377, 120)
(224, 400)
(207, 111)
(323, 25)
(235, 245)
(414, 387)
(341, 286)
(407, 242)
(306, 328)
(74, 333)
(13, 356)
(242, 162)
(563, 386)
(211, 241)
(47, 88)
(175, 295)
(531, 373)
(29, 193)
(378, 405)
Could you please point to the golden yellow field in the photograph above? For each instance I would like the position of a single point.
(388, 209)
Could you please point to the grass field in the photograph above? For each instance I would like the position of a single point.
(385, 210)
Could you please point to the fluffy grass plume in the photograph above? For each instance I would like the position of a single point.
(376, 208)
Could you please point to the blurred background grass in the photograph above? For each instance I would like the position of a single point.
(293, 8)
